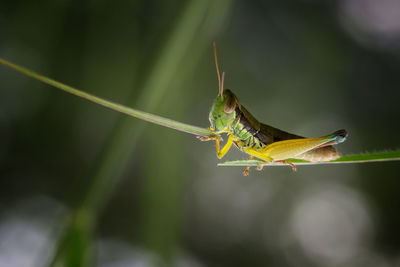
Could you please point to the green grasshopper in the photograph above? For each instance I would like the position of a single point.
(262, 141)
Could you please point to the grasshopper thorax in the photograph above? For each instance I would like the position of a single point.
(223, 113)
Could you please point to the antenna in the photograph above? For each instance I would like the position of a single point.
(220, 85)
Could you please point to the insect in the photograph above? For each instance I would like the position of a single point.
(262, 141)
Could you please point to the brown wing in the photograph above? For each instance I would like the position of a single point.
(269, 134)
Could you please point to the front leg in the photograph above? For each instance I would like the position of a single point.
(208, 138)
(220, 152)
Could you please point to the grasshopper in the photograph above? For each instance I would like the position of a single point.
(262, 141)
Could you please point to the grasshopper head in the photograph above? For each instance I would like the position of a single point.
(222, 112)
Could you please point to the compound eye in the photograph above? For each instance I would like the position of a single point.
(231, 102)
(230, 105)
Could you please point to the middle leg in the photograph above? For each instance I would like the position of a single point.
(246, 171)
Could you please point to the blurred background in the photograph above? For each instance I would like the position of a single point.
(81, 185)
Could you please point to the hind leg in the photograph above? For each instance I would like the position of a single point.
(260, 167)
(289, 163)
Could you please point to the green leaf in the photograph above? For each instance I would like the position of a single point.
(356, 158)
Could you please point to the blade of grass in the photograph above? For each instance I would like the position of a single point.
(179, 126)
(356, 158)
